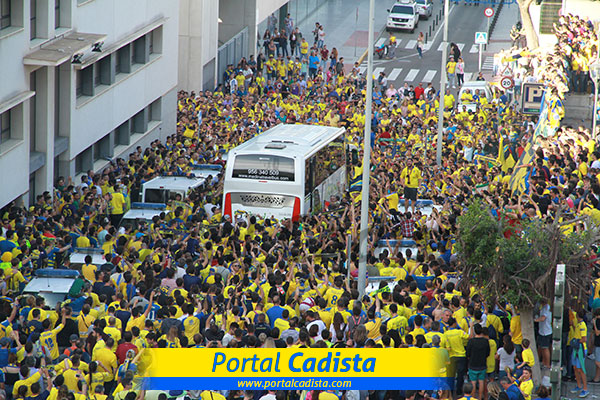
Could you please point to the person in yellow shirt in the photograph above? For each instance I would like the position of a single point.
(112, 331)
(117, 203)
(515, 331)
(579, 351)
(335, 292)
(456, 339)
(48, 337)
(89, 270)
(107, 360)
(409, 179)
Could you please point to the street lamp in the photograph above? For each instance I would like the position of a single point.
(595, 75)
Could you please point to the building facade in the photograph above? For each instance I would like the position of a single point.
(82, 82)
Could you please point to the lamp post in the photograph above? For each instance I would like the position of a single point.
(442, 85)
(364, 206)
(595, 75)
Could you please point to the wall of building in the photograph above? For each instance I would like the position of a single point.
(61, 127)
(197, 43)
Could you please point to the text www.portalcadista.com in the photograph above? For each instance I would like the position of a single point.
(294, 384)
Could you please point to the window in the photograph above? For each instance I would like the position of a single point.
(263, 167)
(4, 13)
(33, 19)
(123, 64)
(97, 79)
(78, 83)
(56, 13)
(154, 110)
(4, 126)
(323, 164)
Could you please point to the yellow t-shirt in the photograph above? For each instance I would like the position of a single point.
(117, 202)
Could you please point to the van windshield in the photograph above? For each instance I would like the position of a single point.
(422, 2)
(402, 10)
(155, 196)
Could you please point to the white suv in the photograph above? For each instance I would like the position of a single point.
(403, 15)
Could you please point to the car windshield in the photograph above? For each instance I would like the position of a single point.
(422, 2)
(402, 10)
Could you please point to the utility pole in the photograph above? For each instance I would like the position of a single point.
(442, 85)
(364, 206)
(557, 323)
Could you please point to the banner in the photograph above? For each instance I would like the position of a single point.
(298, 368)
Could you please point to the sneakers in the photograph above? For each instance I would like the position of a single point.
(583, 393)
(576, 389)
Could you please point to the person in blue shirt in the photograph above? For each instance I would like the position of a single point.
(511, 390)
(276, 311)
(313, 64)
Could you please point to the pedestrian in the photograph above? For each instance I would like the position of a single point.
(283, 43)
(420, 44)
(455, 51)
(596, 330)
(293, 39)
(339, 67)
(289, 23)
(333, 57)
(324, 56)
(478, 349)
(460, 71)
(321, 36)
(451, 72)
(313, 64)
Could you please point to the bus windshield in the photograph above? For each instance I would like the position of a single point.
(263, 167)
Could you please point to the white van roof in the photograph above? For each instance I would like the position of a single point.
(174, 183)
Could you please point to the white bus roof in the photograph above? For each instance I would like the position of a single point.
(173, 183)
(290, 140)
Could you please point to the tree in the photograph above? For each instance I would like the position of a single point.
(518, 263)
(530, 34)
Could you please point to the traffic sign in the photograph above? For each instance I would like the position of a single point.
(507, 82)
(481, 38)
(488, 12)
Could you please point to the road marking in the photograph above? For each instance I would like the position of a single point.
(377, 70)
(461, 46)
(468, 76)
(442, 25)
(412, 74)
(380, 42)
(427, 46)
(411, 44)
(488, 63)
(441, 47)
(474, 49)
(394, 74)
(429, 76)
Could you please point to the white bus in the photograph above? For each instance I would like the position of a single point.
(286, 171)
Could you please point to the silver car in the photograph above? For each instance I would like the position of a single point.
(425, 8)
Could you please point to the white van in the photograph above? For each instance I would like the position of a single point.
(403, 15)
(484, 88)
(165, 188)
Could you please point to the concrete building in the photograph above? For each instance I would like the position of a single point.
(82, 82)
(228, 31)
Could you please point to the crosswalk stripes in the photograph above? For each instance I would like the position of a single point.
(474, 49)
(441, 47)
(377, 71)
(461, 46)
(412, 74)
(427, 46)
(429, 76)
(380, 42)
(411, 44)
(394, 74)
(468, 76)
(488, 63)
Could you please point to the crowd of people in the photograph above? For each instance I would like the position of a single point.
(192, 278)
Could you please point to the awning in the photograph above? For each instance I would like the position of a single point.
(58, 51)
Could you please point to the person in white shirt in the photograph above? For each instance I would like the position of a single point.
(544, 342)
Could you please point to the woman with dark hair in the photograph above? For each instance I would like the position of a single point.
(506, 355)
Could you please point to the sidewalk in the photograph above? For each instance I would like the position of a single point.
(343, 30)
(500, 39)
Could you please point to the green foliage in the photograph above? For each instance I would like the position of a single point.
(520, 269)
